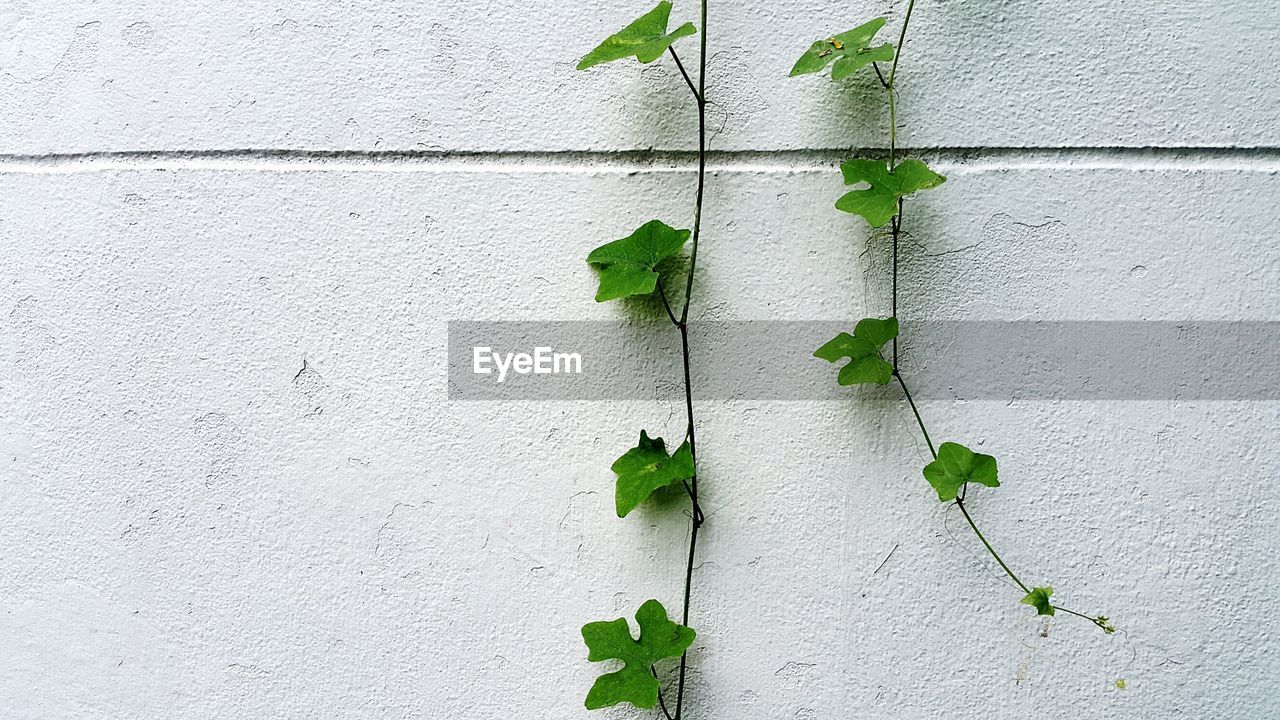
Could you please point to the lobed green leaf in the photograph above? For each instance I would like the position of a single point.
(957, 465)
(879, 202)
(850, 51)
(659, 638)
(627, 265)
(646, 38)
(863, 350)
(1039, 599)
(647, 468)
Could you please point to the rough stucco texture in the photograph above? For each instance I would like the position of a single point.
(233, 485)
(82, 75)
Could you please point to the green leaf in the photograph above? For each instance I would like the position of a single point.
(957, 465)
(849, 50)
(1039, 599)
(863, 350)
(879, 203)
(647, 468)
(634, 683)
(627, 265)
(646, 38)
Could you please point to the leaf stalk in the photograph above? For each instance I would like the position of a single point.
(697, 96)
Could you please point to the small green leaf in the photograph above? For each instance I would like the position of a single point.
(863, 350)
(627, 265)
(646, 38)
(647, 468)
(957, 465)
(849, 50)
(879, 203)
(634, 683)
(1039, 599)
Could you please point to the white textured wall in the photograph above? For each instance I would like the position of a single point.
(232, 485)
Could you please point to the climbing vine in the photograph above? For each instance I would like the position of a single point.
(637, 265)
(880, 199)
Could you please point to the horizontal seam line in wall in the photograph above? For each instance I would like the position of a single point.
(1257, 159)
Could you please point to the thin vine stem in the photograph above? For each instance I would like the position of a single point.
(896, 232)
(896, 235)
(919, 421)
(696, 517)
(994, 554)
(889, 86)
(1099, 621)
(959, 502)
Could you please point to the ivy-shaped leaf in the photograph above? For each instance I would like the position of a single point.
(634, 683)
(646, 38)
(849, 50)
(1039, 599)
(879, 203)
(627, 265)
(863, 350)
(957, 465)
(647, 468)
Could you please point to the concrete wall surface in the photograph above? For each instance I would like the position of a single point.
(234, 484)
